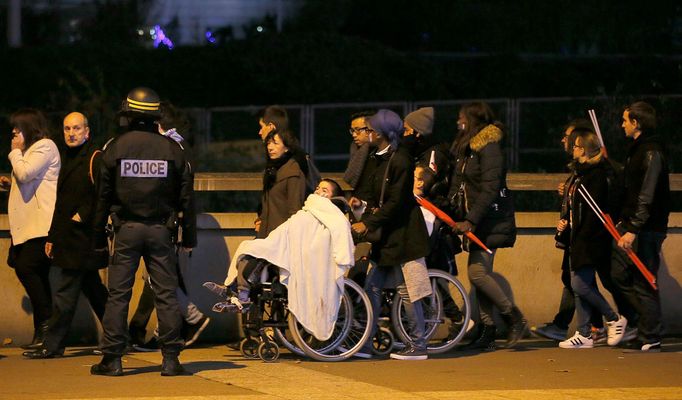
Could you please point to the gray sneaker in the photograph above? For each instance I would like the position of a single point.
(410, 353)
(549, 331)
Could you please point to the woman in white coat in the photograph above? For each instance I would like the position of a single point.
(33, 190)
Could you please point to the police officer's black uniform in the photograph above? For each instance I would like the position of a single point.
(145, 182)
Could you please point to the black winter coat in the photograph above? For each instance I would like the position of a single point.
(590, 242)
(75, 195)
(488, 202)
(404, 235)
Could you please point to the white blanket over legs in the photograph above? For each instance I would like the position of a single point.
(313, 249)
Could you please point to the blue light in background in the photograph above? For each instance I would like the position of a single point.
(160, 37)
(209, 37)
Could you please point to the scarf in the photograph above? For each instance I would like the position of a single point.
(271, 168)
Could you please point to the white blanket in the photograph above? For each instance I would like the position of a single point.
(313, 249)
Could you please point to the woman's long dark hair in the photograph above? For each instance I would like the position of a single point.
(32, 124)
(478, 115)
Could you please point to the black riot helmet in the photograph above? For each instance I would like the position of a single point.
(141, 102)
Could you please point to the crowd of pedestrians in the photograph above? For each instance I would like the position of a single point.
(140, 185)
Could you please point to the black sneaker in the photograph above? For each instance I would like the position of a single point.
(192, 331)
(410, 353)
(636, 346)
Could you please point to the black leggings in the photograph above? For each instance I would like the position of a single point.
(33, 270)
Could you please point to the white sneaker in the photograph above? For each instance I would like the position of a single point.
(577, 341)
(616, 330)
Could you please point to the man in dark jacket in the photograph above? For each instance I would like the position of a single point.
(145, 182)
(643, 221)
(69, 237)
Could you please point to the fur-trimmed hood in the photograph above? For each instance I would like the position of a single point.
(489, 134)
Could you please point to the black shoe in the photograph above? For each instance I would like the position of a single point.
(38, 338)
(109, 366)
(636, 346)
(192, 331)
(410, 353)
(170, 366)
(42, 353)
(517, 325)
(486, 341)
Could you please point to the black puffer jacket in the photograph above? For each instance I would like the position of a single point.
(646, 204)
(489, 204)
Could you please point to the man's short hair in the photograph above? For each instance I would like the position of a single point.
(277, 116)
(645, 115)
(361, 114)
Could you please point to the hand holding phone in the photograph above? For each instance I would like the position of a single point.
(18, 140)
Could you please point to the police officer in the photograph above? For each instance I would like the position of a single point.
(145, 182)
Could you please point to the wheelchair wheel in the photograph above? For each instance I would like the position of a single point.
(383, 340)
(352, 329)
(249, 348)
(446, 313)
(285, 340)
(268, 351)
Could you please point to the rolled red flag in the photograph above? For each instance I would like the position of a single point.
(441, 215)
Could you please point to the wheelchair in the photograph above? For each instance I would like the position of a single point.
(268, 324)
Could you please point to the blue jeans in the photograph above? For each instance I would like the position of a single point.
(414, 311)
(588, 300)
(637, 291)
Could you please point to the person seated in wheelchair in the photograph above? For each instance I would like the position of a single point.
(313, 249)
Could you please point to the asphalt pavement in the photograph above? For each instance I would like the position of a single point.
(537, 369)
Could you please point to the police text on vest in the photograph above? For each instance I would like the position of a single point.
(144, 168)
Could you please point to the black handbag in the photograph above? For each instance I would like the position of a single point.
(458, 202)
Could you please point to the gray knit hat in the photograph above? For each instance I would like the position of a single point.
(421, 120)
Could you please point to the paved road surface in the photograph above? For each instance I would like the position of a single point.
(537, 370)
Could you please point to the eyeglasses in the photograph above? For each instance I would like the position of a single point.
(357, 131)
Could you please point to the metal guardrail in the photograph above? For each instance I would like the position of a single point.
(253, 181)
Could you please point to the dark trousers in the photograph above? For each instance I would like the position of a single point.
(33, 270)
(69, 283)
(145, 307)
(567, 305)
(133, 241)
(636, 290)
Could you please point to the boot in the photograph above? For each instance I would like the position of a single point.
(486, 341)
(516, 324)
(170, 366)
(38, 337)
(109, 366)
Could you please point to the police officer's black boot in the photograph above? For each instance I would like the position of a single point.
(170, 366)
(516, 324)
(109, 366)
(486, 341)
